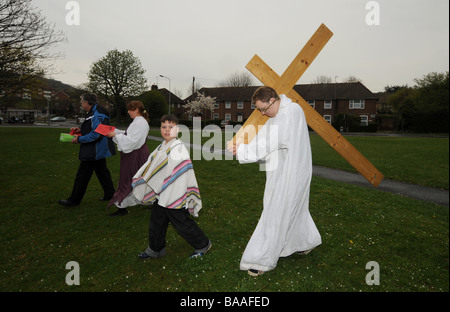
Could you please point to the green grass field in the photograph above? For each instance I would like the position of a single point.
(423, 161)
(409, 239)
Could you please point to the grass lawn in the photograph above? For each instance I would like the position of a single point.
(409, 239)
(423, 161)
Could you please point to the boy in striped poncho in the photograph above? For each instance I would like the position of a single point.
(168, 181)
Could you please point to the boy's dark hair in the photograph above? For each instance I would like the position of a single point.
(91, 98)
(169, 118)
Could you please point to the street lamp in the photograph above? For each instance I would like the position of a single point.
(169, 88)
(48, 95)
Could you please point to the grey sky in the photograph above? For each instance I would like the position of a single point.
(212, 39)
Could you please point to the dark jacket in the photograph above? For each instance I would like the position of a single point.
(95, 146)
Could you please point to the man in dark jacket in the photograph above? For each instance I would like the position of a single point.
(94, 149)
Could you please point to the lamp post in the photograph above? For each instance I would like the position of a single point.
(169, 88)
(47, 95)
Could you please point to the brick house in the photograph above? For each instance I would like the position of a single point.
(62, 101)
(331, 99)
(233, 103)
(175, 102)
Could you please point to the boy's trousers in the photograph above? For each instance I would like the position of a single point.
(181, 221)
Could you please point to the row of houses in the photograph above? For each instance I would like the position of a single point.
(234, 103)
(329, 100)
(39, 101)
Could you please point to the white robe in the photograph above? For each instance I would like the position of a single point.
(285, 225)
(135, 137)
(127, 141)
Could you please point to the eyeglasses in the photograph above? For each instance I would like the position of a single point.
(263, 110)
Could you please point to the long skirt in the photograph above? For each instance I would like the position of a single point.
(129, 165)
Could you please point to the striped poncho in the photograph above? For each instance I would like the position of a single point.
(168, 176)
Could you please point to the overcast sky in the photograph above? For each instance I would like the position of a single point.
(211, 39)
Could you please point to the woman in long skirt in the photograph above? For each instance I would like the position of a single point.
(134, 152)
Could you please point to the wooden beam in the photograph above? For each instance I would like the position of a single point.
(267, 76)
(303, 59)
(284, 85)
(287, 81)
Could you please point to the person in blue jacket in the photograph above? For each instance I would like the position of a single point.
(94, 148)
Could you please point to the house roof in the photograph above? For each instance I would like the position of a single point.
(173, 98)
(62, 93)
(332, 91)
(226, 93)
(323, 91)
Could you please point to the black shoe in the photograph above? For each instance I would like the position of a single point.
(119, 212)
(67, 203)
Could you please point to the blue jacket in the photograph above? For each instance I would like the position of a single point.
(95, 146)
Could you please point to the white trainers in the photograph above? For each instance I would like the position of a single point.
(254, 273)
(304, 253)
(201, 253)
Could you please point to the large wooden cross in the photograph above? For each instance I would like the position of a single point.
(284, 85)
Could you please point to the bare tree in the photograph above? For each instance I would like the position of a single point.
(178, 92)
(322, 79)
(352, 78)
(194, 87)
(237, 79)
(25, 39)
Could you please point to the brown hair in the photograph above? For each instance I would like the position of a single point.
(264, 94)
(140, 106)
(169, 118)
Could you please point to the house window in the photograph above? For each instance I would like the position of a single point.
(228, 117)
(356, 104)
(227, 105)
(26, 94)
(240, 105)
(312, 103)
(253, 106)
(239, 118)
(216, 105)
(215, 116)
(327, 118)
(328, 105)
(364, 120)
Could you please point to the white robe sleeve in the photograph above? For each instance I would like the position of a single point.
(263, 144)
(135, 136)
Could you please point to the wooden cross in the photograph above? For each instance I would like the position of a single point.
(284, 85)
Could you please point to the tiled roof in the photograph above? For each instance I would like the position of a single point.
(326, 91)
(173, 98)
(227, 93)
(331, 91)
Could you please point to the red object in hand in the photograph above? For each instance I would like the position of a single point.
(104, 129)
(72, 132)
